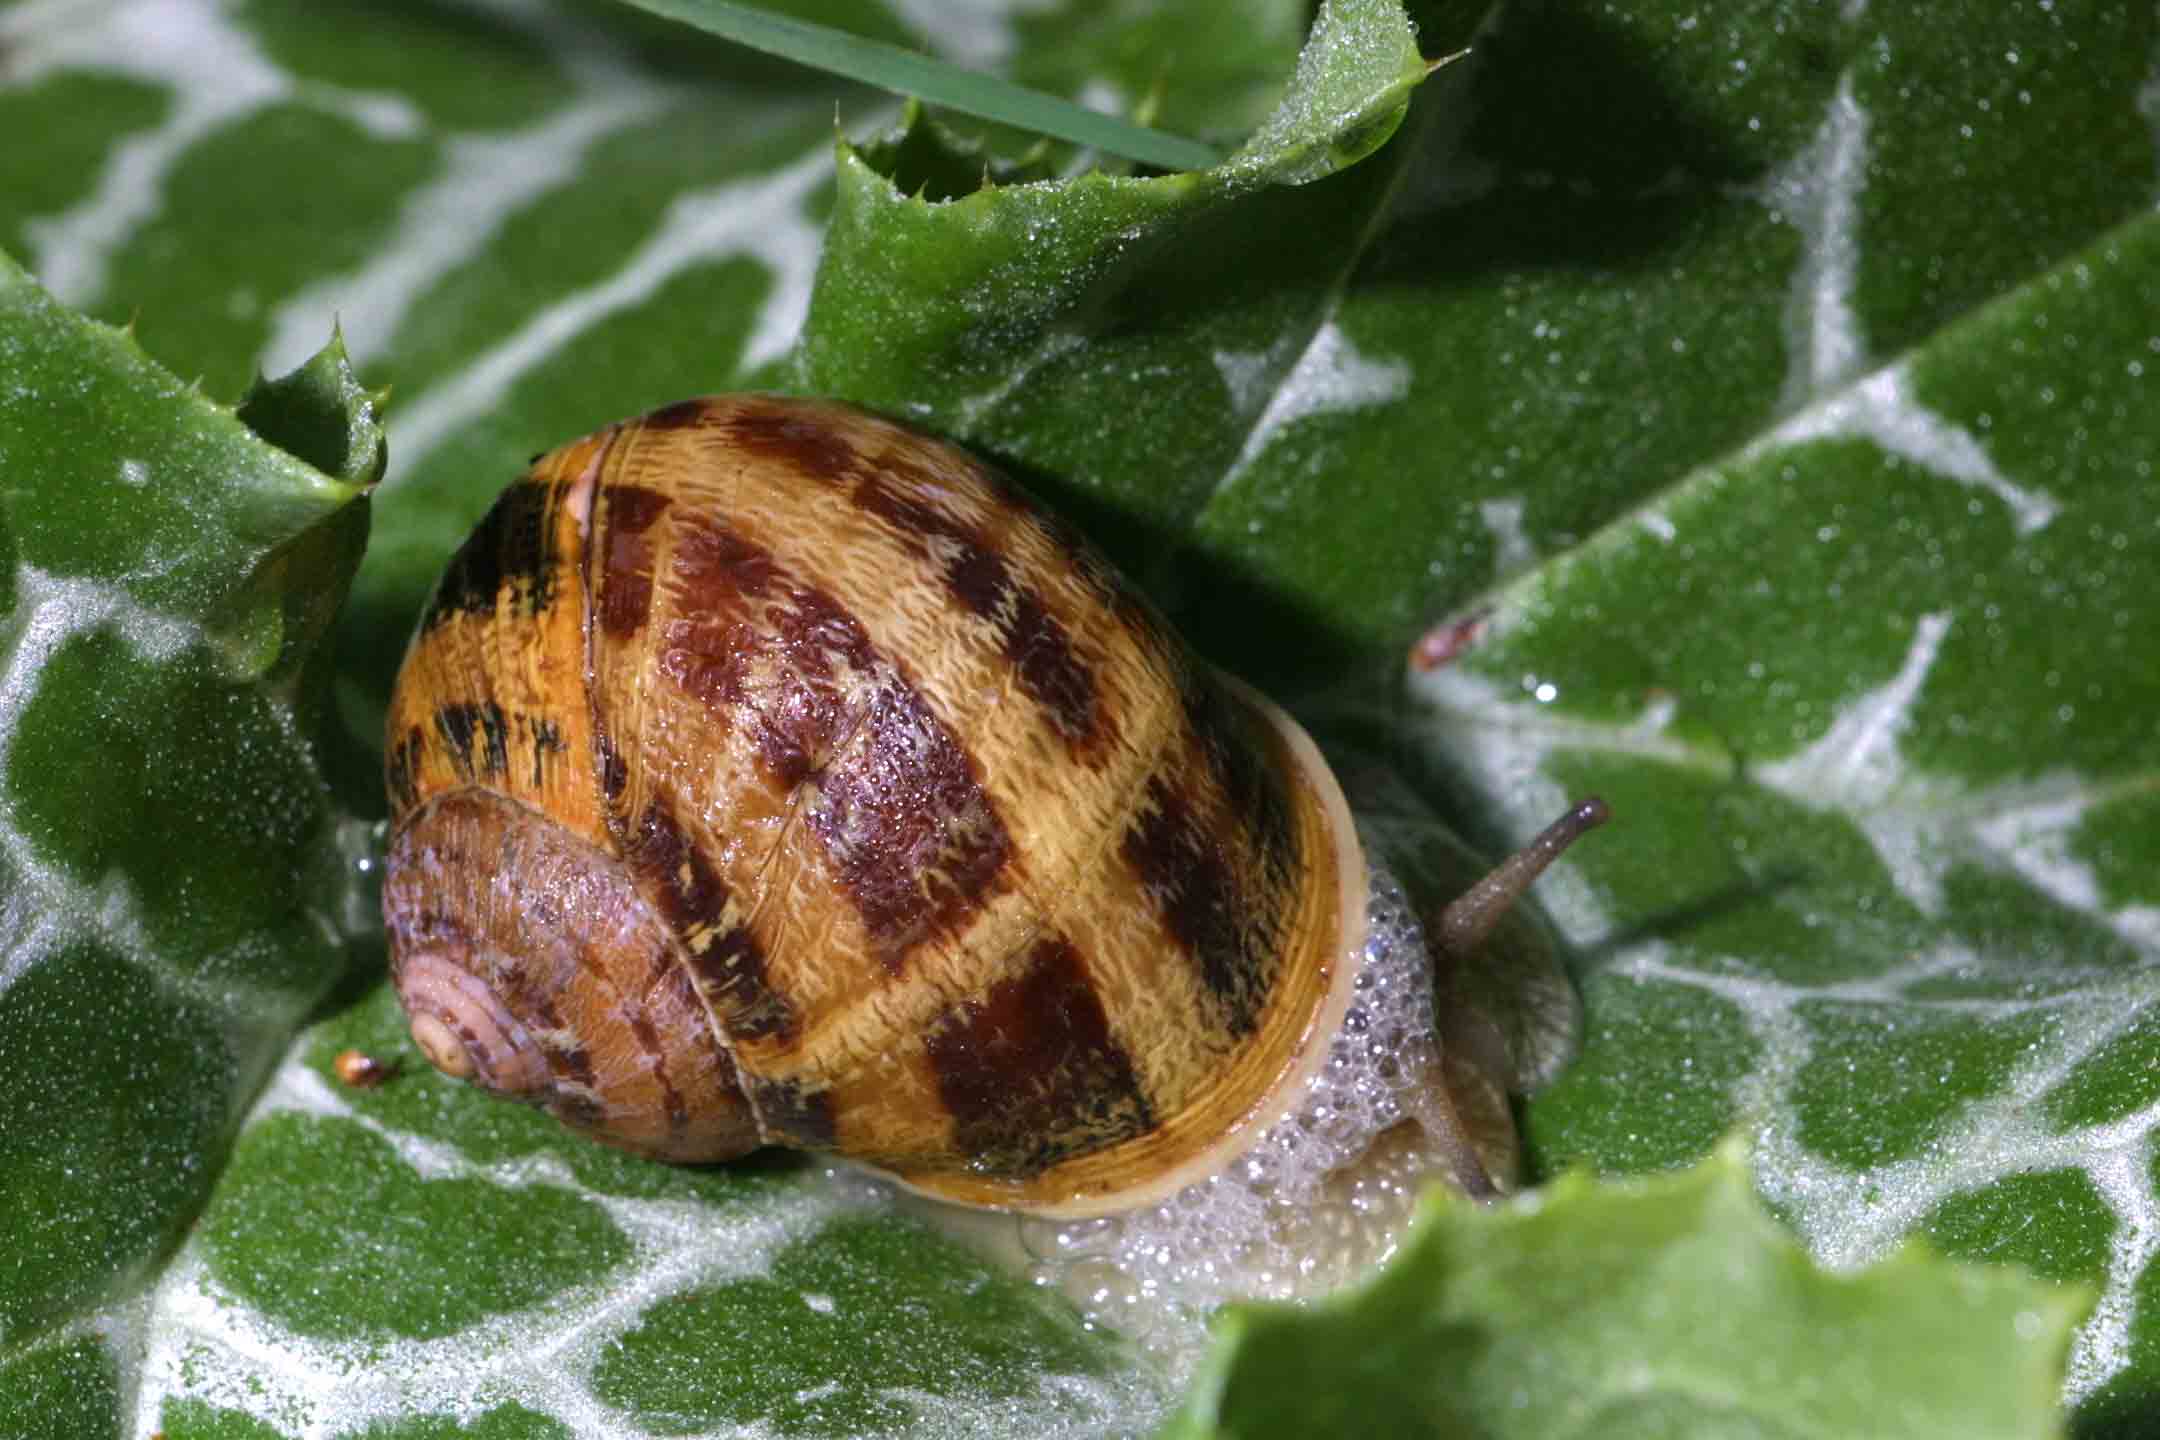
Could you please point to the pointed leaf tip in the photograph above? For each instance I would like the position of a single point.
(321, 413)
(113, 467)
(1350, 92)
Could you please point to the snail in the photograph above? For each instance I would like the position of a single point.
(764, 772)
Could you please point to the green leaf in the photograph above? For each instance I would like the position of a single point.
(1856, 788)
(1670, 1306)
(813, 1346)
(1018, 316)
(321, 414)
(319, 1230)
(192, 1420)
(141, 480)
(1627, 272)
(169, 864)
(1350, 92)
(66, 1390)
(409, 1247)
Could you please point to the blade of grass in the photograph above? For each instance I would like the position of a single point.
(934, 81)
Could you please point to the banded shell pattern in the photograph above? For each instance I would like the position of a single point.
(763, 772)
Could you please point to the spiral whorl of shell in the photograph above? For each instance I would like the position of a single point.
(968, 870)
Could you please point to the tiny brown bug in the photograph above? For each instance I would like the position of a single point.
(361, 1070)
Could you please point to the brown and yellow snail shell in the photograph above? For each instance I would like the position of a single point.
(763, 772)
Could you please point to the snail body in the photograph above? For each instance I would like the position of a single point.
(766, 773)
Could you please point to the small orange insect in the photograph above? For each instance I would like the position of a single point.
(361, 1070)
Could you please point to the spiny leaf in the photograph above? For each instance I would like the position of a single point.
(1602, 264)
(1000, 315)
(1672, 1306)
(321, 413)
(168, 856)
(140, 478)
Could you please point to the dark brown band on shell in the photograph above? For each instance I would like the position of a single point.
(1030, 1070)
(883, 784)
(503, 562)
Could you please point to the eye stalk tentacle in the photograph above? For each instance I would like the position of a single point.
(1466, 922)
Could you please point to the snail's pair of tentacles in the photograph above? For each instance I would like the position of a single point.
(767, 773)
